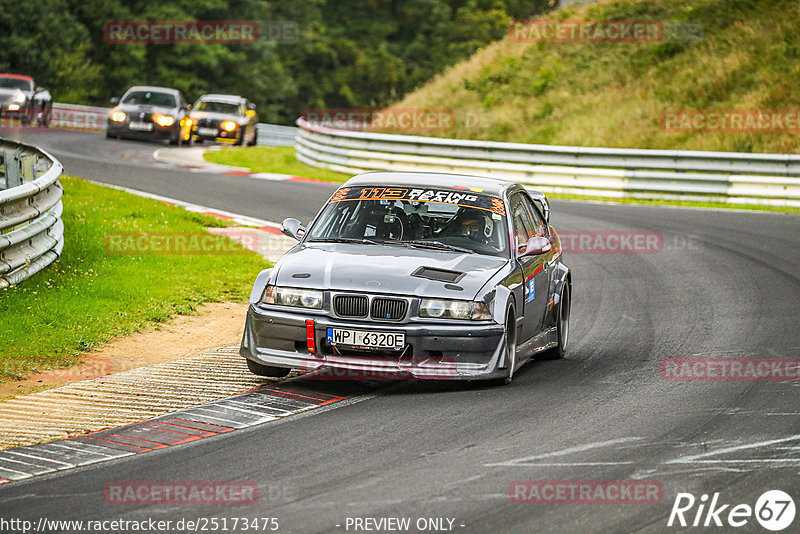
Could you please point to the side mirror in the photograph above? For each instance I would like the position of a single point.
(250, 113)
(293, 228)
(536, 246)
(115, 101)
(251, 106)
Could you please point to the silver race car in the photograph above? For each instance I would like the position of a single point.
(414, 275)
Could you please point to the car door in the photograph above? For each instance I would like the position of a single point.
(535, 276)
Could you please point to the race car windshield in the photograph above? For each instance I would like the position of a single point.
(217, 107)
(479, 228)
(16, 83)
(150, 98)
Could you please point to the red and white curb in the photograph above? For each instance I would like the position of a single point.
(256, 407)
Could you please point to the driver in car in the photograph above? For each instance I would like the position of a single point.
(476, 227)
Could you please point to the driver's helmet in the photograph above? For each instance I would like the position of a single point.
(475, 226)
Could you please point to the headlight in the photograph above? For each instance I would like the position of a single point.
(289, 296)
(453, 309)
(163, 120)
(13, 107)
(118, 116)
(229, 126)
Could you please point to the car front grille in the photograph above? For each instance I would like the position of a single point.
(350, 305)
(388, 309)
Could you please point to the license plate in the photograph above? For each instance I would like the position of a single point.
(141, 126)
(207, 131)
(370, 340)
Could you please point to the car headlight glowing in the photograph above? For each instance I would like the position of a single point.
(289, 296)
(13, 107)
(163, 120)
(453, 309)
(229, 126)
(118, 116)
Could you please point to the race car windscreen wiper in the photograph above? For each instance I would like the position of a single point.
(439, 245)
(342, 240)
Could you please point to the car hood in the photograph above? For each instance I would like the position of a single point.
(6, 93)
(217, 116)
(384, 269)
(144, 108)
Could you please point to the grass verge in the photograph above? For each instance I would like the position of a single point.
(90, 296)
(737, 55)
(279, 160)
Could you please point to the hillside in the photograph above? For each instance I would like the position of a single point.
(746, 59)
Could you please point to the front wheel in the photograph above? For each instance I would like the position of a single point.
(44, 118)
(562, 326)
(509, 348)
(267, 370)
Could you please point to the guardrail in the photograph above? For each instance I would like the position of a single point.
(276, 135)
(31, 230)
(770, 179)
(75, 117)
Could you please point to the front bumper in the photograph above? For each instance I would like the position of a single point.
(221, 136)
(21, 112)
(123, 130)
(433, 350)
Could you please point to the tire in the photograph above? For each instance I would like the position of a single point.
(241, 140)
(44, 119)
(267, 370)
(255, 138)
(562, 326)
(176, 139)
(510, 347)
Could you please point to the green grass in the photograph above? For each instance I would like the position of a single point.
(614, 94)
(89, 296)
(279, 160)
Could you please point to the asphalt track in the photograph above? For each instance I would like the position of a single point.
(725, 284)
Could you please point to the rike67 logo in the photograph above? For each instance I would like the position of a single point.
(774, 510)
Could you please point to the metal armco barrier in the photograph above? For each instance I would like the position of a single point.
(275, 135)
(31, 230)
(769, 179)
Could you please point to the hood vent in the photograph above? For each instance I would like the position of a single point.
(440, 275)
